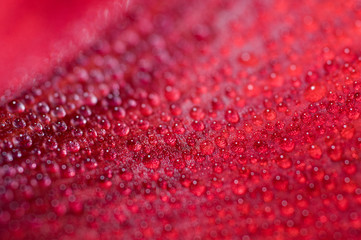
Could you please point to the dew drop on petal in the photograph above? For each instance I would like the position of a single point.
(315, 92)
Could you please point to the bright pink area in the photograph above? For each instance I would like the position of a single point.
(35, 34)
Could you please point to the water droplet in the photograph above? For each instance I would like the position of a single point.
(347, 131)
(198, 125)
(238, 147)
(151, 161)
(270, 114)
(287, 144)
(15, 106)
(19, 123)
(238, 188)
(171, 94)
(232, 116)
(315, 92)
(196, 113)
(284, 161)
(50, 144)
(207, 147)
(315, 151)
(221, 141)
(42, 108)
(334, 152)
(146, 110)
(58, 112)
(121, 129)
(260, 146)
(23, 141)
(281, 183)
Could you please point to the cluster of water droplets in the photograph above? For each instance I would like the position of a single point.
(154, 131)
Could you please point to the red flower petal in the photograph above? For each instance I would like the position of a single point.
(234, 120)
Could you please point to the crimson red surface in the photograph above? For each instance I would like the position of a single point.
(217, 119)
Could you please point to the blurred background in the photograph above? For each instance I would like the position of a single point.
(36, 34)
